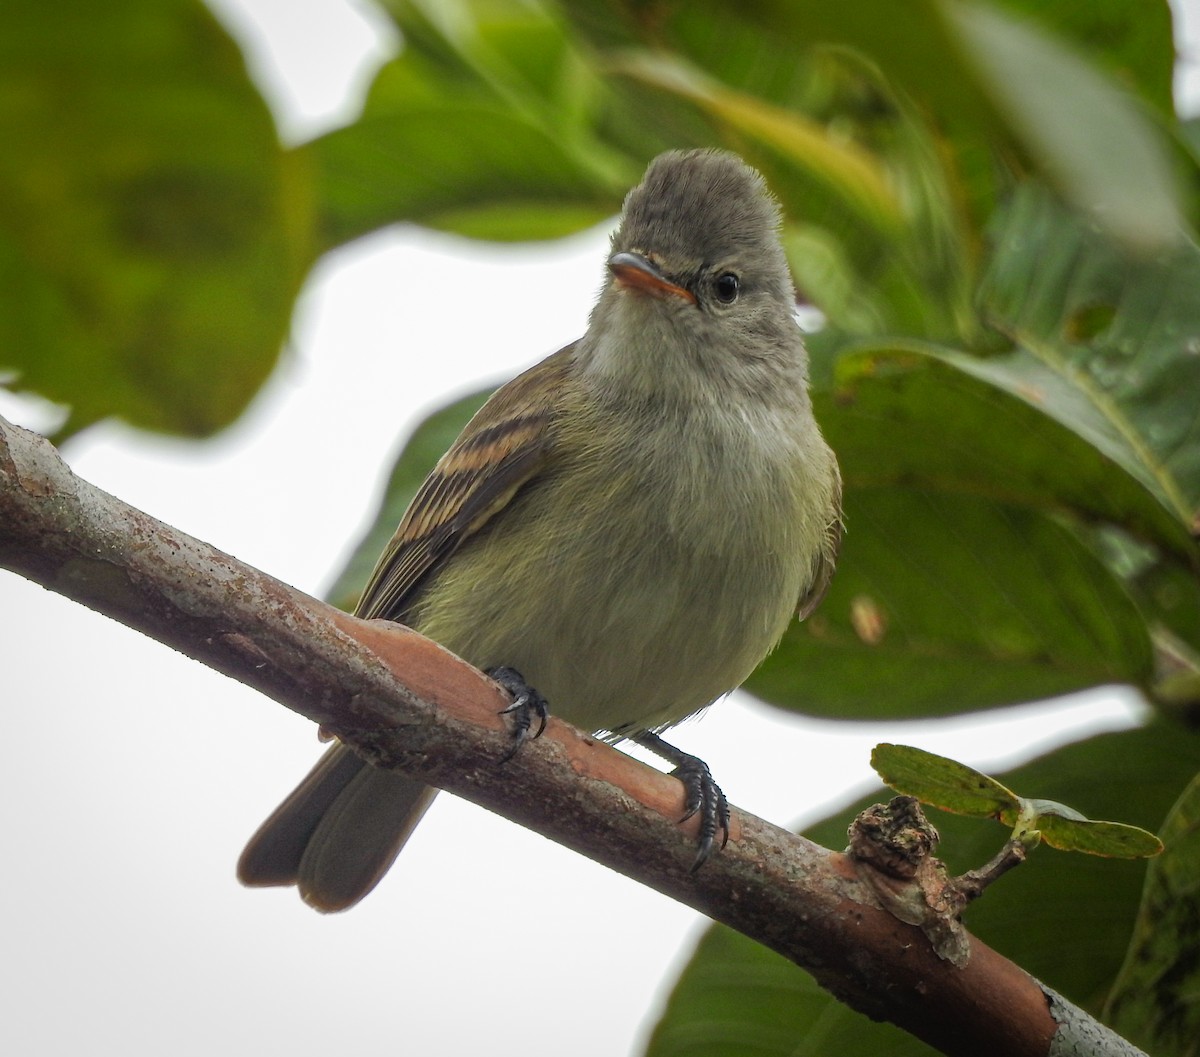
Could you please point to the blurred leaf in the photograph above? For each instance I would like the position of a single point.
(826, 126)
(1153, 1002)
(152, 237)
(1094, 143)
(1170, 593)
(992, 79)
(1141, 372)
(942, 782)
(469, 168)
(1133, 41)
(516, 48)
(947, 603)
(421, 451)
(480, 127)
(1009, 426)
(846, 169)
(736, 997)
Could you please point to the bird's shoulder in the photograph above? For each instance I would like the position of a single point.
(507, 442)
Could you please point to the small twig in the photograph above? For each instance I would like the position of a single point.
(971, 884)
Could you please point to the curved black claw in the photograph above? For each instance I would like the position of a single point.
(526, 704)
(702, 795)
(705, 797)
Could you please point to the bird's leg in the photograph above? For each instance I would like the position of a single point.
(526, 704)
(701, 794)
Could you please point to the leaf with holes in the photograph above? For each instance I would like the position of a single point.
(1153, 1002)
(942, 782)
(955, 787)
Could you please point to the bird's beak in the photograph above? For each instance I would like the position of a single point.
(632, 271)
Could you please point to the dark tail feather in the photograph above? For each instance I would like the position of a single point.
(338, 832)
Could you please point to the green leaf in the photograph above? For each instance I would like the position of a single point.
(860, 172)
(1140, 371)
(1008, 426)
(946, 603)
(942, 782)
(1065, 919)
(1043, 914)
(955, 787)
(481, 126)
(1067, 830)
(1153, 1002)
(993, 80)
(737, 999)
(1171, 594)
(1133, 41)
(848, 171)
(421, 451)
(1093, 142)
(153, 232)
(1051, 426)
(466, 167)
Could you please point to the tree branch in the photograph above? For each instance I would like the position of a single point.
(402, 701)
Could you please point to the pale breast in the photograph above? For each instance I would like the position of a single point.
(634, 586)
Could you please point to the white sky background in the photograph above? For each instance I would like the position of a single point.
(130, 777)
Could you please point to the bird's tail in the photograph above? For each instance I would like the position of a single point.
(338, 832)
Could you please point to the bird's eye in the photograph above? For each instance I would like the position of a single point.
(726, 287)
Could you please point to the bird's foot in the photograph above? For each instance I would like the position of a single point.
(706, 798)
(527, 704)
(701, 795)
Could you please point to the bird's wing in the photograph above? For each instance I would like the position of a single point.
(504, 445)
(826, 559)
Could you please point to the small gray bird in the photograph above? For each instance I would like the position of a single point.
(627, 528)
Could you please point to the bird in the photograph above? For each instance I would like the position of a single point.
(621, 533)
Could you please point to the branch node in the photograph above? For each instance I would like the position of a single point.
(892, 846)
